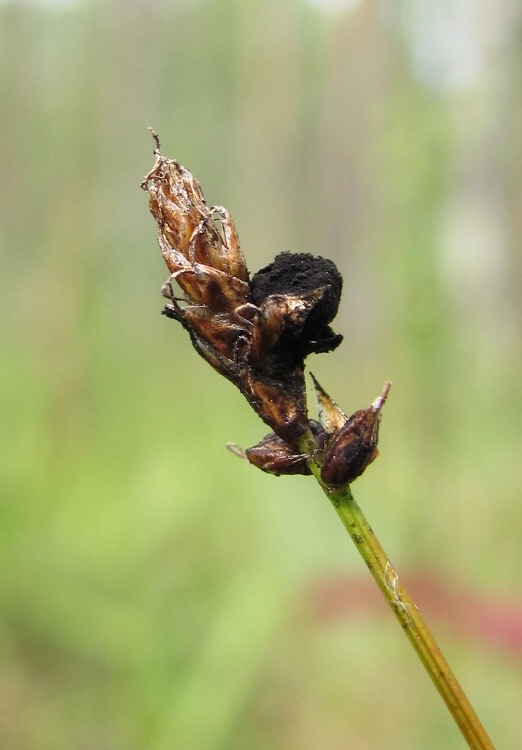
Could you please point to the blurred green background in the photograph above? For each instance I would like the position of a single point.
(155, 591)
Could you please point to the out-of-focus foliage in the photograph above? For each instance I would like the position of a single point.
(154, 589)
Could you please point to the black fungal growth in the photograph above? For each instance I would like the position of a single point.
(303, 275)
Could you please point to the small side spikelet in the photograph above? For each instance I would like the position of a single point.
(351, 449)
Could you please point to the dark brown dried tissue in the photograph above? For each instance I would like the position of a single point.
(258, 331)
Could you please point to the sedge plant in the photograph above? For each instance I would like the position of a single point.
(257, 331)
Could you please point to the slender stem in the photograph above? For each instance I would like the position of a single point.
(406, 612)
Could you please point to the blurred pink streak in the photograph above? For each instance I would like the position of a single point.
(495, 622)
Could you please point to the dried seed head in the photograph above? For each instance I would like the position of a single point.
(255, 334)
(274, 456)
(354, 446)
(258, 332)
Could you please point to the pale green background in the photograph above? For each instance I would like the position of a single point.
(155, 591)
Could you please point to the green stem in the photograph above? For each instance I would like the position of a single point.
(405, 611)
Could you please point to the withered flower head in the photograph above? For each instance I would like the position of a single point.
(275, 456)
(351, 442)
(256, 333)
